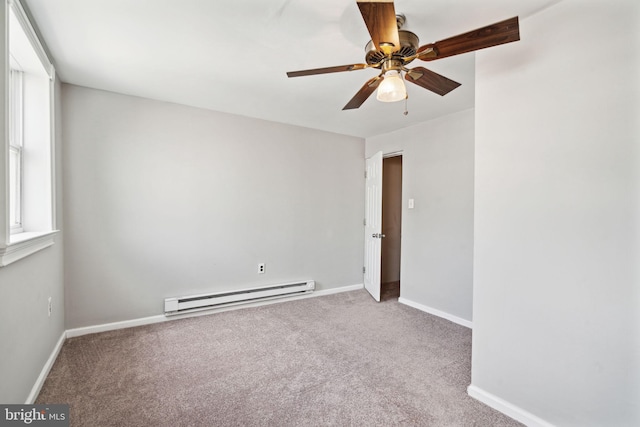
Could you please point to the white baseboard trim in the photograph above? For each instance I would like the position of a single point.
(507, 408)
(332, 291)
(35, 390)
(76, 332)
(436, 312)
(86, 330)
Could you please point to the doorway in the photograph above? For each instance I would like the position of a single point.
(391, 227)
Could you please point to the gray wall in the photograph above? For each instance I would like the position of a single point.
(165, 200)
(437, 235)
(27, 334)
(556, 298)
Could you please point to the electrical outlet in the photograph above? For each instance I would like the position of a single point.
(49, 307)
(261, 268)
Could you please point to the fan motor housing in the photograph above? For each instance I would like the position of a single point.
(409, 43)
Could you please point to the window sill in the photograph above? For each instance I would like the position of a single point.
(24, 244)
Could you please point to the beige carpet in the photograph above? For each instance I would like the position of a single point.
(338, 360)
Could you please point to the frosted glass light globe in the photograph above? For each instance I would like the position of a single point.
(392, 88)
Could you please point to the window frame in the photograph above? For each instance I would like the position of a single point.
(37, 171)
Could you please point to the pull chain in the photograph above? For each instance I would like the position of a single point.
(406, 110)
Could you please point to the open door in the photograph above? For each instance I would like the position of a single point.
(373, 225)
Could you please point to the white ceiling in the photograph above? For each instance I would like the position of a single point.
(232, 56)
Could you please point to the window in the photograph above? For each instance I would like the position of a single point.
(15, 149)
(27, 147)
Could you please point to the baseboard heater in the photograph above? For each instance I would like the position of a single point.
(173, 306)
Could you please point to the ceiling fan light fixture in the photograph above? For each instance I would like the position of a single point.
(392, 88)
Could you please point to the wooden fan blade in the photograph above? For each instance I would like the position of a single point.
(363, 94)
(326, 70)
(492, 35)
(430, 80)
(380, 18)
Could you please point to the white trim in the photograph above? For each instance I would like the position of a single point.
(53, 145)
(25, 244)
(436, 312)
(45, 370)
(31, 34)
(76, 332)
(86, 330)
(506, 408)
(398, 153)
(332, 291)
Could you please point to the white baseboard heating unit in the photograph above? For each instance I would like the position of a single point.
(192, 303)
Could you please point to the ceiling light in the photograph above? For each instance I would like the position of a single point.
(392, 87)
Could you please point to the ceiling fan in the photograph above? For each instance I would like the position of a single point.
(391, 48)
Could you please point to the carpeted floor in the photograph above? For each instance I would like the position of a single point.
(337, 360)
